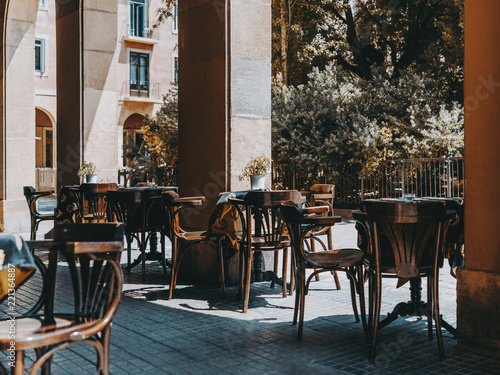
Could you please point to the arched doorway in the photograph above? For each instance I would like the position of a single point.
(133, 139)
(44, 139)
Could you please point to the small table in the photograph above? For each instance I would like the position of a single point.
(414, 307)
(145, 220)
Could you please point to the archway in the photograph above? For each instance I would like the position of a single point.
(44, 139)
(132, 137)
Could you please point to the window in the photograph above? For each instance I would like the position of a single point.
(175, 20)
(41, 4)
(139, 74)
(40, 55)
(176, 70)
(49, 148)
(138, 18)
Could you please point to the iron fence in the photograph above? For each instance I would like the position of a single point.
(163, 177)
(430, 177)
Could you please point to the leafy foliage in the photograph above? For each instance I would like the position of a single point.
(335, 118)
(424, 35)
(160, 149)
(166, 10)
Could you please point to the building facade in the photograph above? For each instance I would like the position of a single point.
(146, 68)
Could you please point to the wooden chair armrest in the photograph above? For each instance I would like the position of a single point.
(315, 210)
(322, 220)
(236, 200)
(184, 199)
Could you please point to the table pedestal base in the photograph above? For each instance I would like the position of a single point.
(415, 307)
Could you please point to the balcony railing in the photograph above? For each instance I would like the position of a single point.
(140, 91)
(433, 177)
(147, 33)
(46, 179)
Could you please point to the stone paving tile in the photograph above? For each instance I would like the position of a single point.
(198, 332)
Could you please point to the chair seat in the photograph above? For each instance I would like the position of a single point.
(200, 235)
(261, 244)
(35, 329)
(336, 258)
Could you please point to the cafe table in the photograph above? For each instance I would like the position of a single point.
(414, 307)
(143, 217)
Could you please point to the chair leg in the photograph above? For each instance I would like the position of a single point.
(34, 229)
(19, 363)
(376, 317)
(248, 275)
(105, 346)
(220, 256)
(275, 267)
(329, 238)
(429, 307)
(292, 274)
(129, 250)
(437, 317)
(173, 274)
(285, 266)
(361, 294)
(313, 249)
(242, 271)
(297, 301)
(302, 301)
(353, 297)
(163, 260)
(337, 281)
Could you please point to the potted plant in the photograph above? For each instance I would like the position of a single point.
(89, 170)
(256, 169)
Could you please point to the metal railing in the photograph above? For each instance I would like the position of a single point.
(46, 179)
(140, 89)
(431, 177)
(166, 177)
(147, 30)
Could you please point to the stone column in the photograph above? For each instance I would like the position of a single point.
(224, 95)
(18, 112)
(478, 290)
(87, 87)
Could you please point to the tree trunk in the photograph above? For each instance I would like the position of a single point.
(284, 42)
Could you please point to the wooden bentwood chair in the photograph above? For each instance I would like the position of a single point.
(94, 203)
(32, 197)
(300, 223)
(322, 195)
(263, 230)
(405, 241)
(183, 240)
(92, 252)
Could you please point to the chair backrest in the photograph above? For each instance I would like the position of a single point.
(407, 237)
(265, 206)
(92, 252)
(125, 207)
(95, 195)
(29, 192)
(322, 189)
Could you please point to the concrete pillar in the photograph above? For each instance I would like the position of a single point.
(478, 290)
(224, 102)
(87, 87)
(224, 94)
(17, 140)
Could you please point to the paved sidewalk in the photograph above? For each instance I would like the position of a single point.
(199, 332)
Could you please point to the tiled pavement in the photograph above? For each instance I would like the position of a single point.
(198, 332)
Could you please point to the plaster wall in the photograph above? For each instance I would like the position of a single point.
(18, 112)
(224, 105)
(478, 290)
